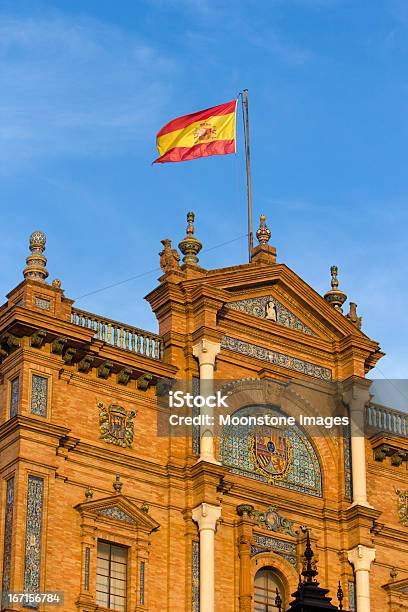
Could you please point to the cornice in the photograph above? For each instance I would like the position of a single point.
(34, 425)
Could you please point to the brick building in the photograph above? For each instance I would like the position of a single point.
(97, 504)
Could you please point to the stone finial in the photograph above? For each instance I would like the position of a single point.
(89, 493)
(352, 315)
(117, 484)
(335, 297)
(190, 246)
(263, 233)
(393, 573)
(263, 253)
(37, 261)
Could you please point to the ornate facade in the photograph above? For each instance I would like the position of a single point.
(98, 504)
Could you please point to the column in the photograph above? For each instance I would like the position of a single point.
(206, 352)
(361, 557)
(244, 550)
(207, 516)
(357, 397)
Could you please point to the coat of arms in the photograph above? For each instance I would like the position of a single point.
(205, 132)
(116, 424)
(271, 453)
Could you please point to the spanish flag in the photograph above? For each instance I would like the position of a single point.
(207, 132)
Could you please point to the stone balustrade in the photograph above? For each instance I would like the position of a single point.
(120, 335)
(387, 420)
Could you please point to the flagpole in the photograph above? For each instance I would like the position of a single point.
(248, 172)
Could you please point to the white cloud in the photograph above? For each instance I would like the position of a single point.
(75, 88)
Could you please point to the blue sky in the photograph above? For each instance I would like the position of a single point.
(85, 86)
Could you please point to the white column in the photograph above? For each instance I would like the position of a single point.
(207, 516)
(362, 557)
(206, 352)
(357, 398)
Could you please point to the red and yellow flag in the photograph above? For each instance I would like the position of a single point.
(207, 132)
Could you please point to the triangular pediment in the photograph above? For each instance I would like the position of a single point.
(268, 307)
(298, 306)
(119, 508)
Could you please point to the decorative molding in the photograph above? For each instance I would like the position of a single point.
(116, 425)
(42, 303)
(348, 482)
(32, 555)
(14, 396)
(196, 430)
(402, 507)
(39, 395)
(272, 520)
(351, 596)
(142, 583)
(114, 512)
(287, 550)
(195, 576)
(280, 359)
(87, 567)
(8, 540)
(269, 308)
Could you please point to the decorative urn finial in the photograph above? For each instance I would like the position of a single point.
(263, 233)
(190, 246)
(37, 261)
(335, 297)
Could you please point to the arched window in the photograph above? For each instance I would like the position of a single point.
(265, 585)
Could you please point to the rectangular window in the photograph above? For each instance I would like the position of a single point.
(111, 570)
(14, 396)
(39, 395)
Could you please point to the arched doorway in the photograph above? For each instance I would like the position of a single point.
(265, 584)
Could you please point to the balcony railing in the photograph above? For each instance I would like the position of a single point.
(383, 419)
(120, 335)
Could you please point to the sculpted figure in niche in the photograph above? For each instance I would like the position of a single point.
(270, 311)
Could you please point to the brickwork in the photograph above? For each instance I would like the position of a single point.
(65, 447)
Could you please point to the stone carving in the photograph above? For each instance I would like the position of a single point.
(268, 307)
(271, 519)
(114, 512)
(144, 382)
(284, 361)
(169, 257)
(123, 376)
(38, 338)
(105, 369)
(403, 507)
(86, 363)
(58, 345)
(69, 355)
(116, 425)
(352, 315)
